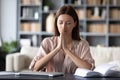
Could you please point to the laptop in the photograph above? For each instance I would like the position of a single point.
(40, 74)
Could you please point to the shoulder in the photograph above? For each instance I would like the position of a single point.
(50, 39)
(82, 42)
(81, 45)
(49, 43)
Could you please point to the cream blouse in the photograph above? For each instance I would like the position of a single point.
(60, 62)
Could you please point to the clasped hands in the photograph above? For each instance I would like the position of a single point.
(62, 44)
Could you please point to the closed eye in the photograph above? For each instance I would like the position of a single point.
(68, 23)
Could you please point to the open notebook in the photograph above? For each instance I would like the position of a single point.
(39, 74)
(102, 70)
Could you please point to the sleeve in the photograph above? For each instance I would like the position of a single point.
(86, 54)
(43, 50)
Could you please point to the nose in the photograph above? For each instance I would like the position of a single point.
(63, 26)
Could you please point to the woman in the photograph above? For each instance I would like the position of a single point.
(65, 51)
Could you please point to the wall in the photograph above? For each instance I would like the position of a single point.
(0, 18)
(0, 23)
(8, 19)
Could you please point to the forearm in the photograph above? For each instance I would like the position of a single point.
(78, 62)
(44, 60)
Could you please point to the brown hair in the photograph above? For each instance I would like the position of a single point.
(67, 9)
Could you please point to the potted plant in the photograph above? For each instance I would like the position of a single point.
(46, 6)
(6, 48)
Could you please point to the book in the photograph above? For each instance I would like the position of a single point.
(103, 70)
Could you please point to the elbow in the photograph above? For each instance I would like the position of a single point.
(86, 66)
(38, 67)
(89, 66)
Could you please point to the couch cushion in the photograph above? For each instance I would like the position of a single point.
(101, 55)
(29, 51)
(116, 53)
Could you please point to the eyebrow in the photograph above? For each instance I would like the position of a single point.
(67, 21)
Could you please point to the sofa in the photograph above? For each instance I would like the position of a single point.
(20, 61)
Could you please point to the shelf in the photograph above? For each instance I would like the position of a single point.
(114, 34)
(29, 20)
(114, 6)
(95, 34)
(99, 20)
(114, 21)
(35, 33)
(28, 33)
(92, 6)
(94, 21)
(46, 33)
(30, 6)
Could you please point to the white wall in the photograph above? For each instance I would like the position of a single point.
(0, 18)
(0, 24)
(8, 19)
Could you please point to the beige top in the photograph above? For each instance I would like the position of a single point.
(60, 62)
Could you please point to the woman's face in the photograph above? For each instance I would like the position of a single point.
(65, 24)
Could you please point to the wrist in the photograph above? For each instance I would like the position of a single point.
(56, 49)
(66, 50)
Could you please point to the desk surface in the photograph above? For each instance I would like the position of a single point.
(65, 77)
